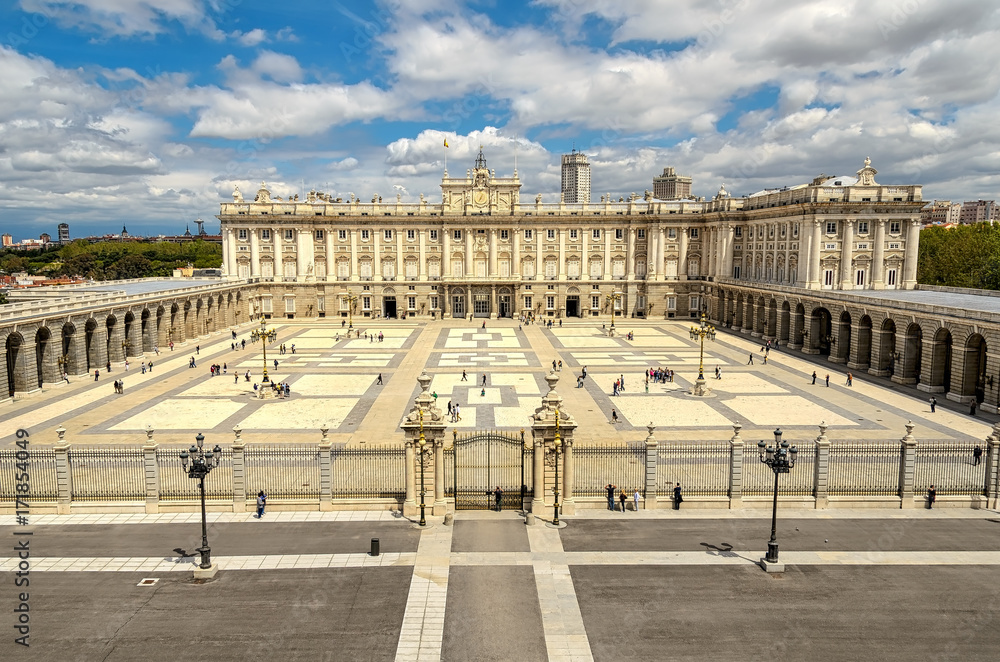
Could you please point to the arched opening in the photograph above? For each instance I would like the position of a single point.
(939, 376)
(820, 329)
(738, 320)
(113, 343)
(799, 326)
(751, 314)
(863, 358)
(842, 339)
(758, 328)
(131, 342)
(68, 360)
(146, 330)
(913, 347)
(786, 322)
(887, 348)
(15, 359)
(771, 328)
(91, 345)
(44, 358)
(974, 379)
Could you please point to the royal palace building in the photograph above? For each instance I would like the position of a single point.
(483, 251)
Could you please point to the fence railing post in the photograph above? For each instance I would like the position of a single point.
(152, 471)
(736, 468)
(992, 465)
(821, 478)
(907, 462)
(652, 465)
(64, 477)
(239, 473)
(325, 470)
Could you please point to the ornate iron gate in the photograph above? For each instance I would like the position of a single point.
(483, 461)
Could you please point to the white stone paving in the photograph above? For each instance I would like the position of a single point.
(785, 410)
(562, 623)
(183, 413)
(484, 359)
(333, 384)
(641, 409)
(307, 414)
(423, 621)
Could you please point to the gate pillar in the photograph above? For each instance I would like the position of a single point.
(424, 420)
(546, 420)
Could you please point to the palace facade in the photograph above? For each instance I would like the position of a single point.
(481, 251)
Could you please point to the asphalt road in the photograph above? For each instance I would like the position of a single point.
(490, 536)
(815, 613)
(231, 539)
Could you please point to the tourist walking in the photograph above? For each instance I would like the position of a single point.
(718, 372)
(261, 503)
(977, 455)
(814, 376)
(828, 380)
(678, 499)
(465, 377)
(933, 402)
(97, 374)
(610, 491)
(635, 501)
(850, 379)
(622, 499)
(484, 379)
(614, 416)
(931, 497)
(497, 493)
(379, 382)
(750, 362)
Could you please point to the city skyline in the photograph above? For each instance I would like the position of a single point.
(147, 114)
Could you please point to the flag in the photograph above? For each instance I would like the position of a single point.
(445, 142)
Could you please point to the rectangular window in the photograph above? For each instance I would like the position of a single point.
(736, 271)
(527, 235)
(831, 227)
(671, 233)
(411, 303)
(596, 267)
(343, 269)
(894, 227)
(504, 235)
(457, 267)
(828, 277)
(550, 269)
(320, 235)
(596, 235)
(411, 235)
(242, 234)
(366, 303)
(550, 302)
(859, 277)
(694, 233)
(387, 235)
(619, 233)
(457, 235)
(640, 234)
(551, 234)
(434, 303)
(890, 278)
(289, 235)
(365, 234)
(342, 235)
(434, 270)
(265, 234)
(267, 305)
(527, 303)
(862, 227)
(830, 247)
(434, 235)
(573, 234)
(671, 303)
(693, 304)
(595, 302)
(411, 268)
(862, 246)
(738, 231)
(894, 246)
(289, 305)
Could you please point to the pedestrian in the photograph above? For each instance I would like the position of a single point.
(484, 326)
(972, 408)
(614, 416)
(449, 407)
(765, 359)
(151, 366)
(143, 366)
(465, 377)
(247, 376)
(750, 362)
(458, 412)
(553, 365)
(814, 376)
(718, 372)
(97, 374)
(621, 382)
(931, 497)
(483, 392)
(622, 499)
(484, 379)
(66, 377)
(609, 489)
(126, 365)
(850, 379)
(243, 343)
(379, 382)
(635, 501)
(584, 372)
(261, 502)
(197, 349)
(293, 344)
(108, 366)
(678, 499)
(236, 378)
(276, 364)
(977, 455)
(497, 493)
(225, 368)
(560, 366)
(828, 380)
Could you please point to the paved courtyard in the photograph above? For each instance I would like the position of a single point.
(608, 586)
(333, 380)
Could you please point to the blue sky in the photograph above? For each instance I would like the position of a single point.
(148, 112)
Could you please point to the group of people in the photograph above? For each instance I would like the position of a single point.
(238, 345)
(612, 489)
(120, 386)
(619, 385)
(284, 350)
(217, 370)
(454, 412)
(660, 375)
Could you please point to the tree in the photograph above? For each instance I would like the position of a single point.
(130, 266)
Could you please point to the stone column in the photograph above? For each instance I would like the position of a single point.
(736, 468)
(325, 470)
(561, 275)
(152, 471)
(878, 257)
(630, 262)
(538, 475)
(568, 503)
(728, 272)
(331, 262)
(906, 466)
(232, 266)
(470, 267)
(239, 473)
(821, 473)
(607, 256)
(815, 249)
(992, 464)
(652, 466)
(543, 432)
(227, 259)
(846, 256)
(494, 269)
(515, 267)
(355, 273)
(376, 256)
(64, 476)
(446, 255)
(425, 416)
(116, 353)
(254, 253)
(423, 254)
(682, 254)
(539, 257)
(25, 370)
(910, 249)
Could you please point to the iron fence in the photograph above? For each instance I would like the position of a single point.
(283, 472)
(758, 479)
(40, 467)
(175, 485)
(950, 467)
(367, 473)
(107, 474)
(702, 468)
(596, 466)
(864, 469)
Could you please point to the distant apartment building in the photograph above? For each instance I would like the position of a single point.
(64, 233)
(575, 178)
(7, 239)
(671, 186)
(941, 212)
(979, 211)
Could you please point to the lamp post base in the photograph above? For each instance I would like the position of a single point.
(771, 568)
(206, 573)
(700, 387)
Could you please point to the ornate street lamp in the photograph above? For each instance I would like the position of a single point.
(556, 449)
(198, 462)
(263, 341)
(704, 330)
(780, 458)
(612, 299)
(350, 299)
(422, 448)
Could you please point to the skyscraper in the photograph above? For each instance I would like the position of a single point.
(671, 186)
(64, 233)
(575, 177)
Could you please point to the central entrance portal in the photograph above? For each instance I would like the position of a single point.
(483, 461)
(572, 306)
(481, 302)
(389, 307)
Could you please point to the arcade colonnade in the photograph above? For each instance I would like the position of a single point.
(953, 355)
(40, 350)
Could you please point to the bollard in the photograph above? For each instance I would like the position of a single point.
(375, 547)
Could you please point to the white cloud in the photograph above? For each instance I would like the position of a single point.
(123, 18)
